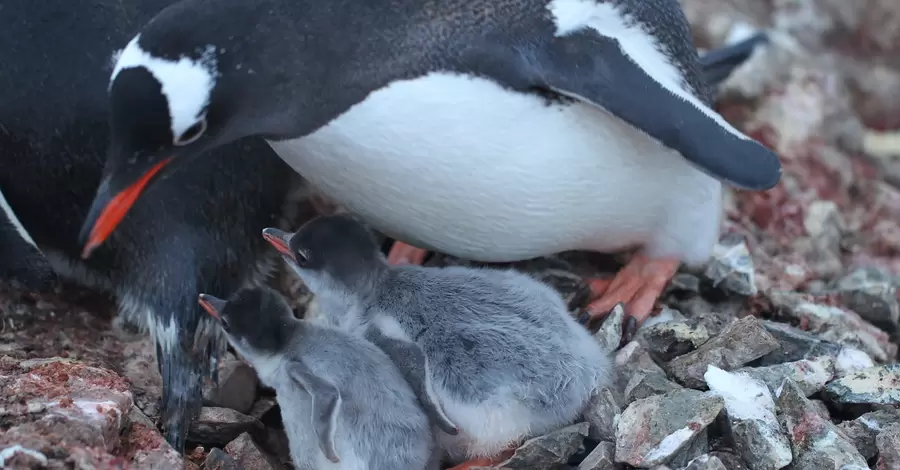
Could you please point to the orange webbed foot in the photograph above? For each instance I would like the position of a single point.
(485, 461)
(401, 253)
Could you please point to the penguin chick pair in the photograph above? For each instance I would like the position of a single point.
(344, 404)
(493, 355)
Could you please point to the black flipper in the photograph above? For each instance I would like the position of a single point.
(594, 69)
(326, 404)
(411, 361)
(718, 64)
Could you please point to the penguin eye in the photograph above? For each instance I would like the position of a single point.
(301, 258)
(191, 134)
(224, 324)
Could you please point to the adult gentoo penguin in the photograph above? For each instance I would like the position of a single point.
(493, 130)
(20, 259)
(195, 232)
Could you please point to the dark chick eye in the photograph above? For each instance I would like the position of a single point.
(224, 324)
(301, 258)
(192, 133)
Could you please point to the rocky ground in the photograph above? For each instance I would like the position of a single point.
(781, 352)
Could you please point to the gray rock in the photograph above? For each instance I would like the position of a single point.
(795, 344)
(888, 444)
(875, 385)
(751, 419)
(666, 341)
(653, 430)
(219, 426)
(731, 267)
(851, 360)
(217, 459)
(698, 446)
(863, 430)
(262, 406)
(870, 293)
(739, 343)
(821, 408)
(731, 461)
(630, 360)
(550, 449)
(816, 443)
(248, 455)
(836, 324)
(647, 384)
(237, 387)
(601, 458)
(600, 414)
(810, 375)
(684, 282)
(609, 336)
(706, 462)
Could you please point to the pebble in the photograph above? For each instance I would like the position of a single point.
(217, 459)
(795, 344)
(863, 430)
(219, 426)
(248, 455)
(816, 443)
(888, 444)
(551, 449)
(871, 294)
(851, 360)
(706, 462)
(809, 374)
(601, 458)
(875, 385)
(751, 419)
(731, 267)
(601, 413)
(237, 387)
(653, 430)
(740, 342)
(609, 336)
(668, 340)
(632, 359)
(644, 385)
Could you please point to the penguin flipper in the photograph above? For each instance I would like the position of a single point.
(413, 363)
(326, 404)
(718, 64)
(595, 69)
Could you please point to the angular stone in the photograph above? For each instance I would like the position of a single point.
(795, 344)
(751, 419)
(731, 461)
(630, 360)
(888, 444)
(739, 343)
(851, 360)
(600, 414)
(219, 426)
(871, 294)
(833, 323)
(262, 407)
(653, 430)
(237, 387)
(706, 462)
(863, 430)
(809, 374)
(698, 446)
(875, 385)
(821, 408)
(731, 267)
(550, 449)
(609, 336)
(601, 458)
(817, 444)
(217, 459)
(666, 341)
(644, 384)
(248, 455)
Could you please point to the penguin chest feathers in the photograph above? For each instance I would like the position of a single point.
(464, 166)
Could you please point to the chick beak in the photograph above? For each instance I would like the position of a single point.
(280, 240)
(213, 305)
(108, 211)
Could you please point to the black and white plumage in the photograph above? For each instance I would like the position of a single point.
(492, 130)
(195, 232)
(344, 404)
(493, 354)
(20, 259)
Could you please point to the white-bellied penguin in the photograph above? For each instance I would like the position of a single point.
(491, 130)
(198, 231)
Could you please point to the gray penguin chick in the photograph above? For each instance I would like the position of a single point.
(492, 353)
(344, 404)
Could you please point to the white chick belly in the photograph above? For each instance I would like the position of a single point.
(464, 167)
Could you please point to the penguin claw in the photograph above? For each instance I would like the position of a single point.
(402, 253)
(639, 285)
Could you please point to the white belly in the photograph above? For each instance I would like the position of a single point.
(461, 166)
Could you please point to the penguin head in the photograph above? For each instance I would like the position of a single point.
(328, 252)
(257, 321)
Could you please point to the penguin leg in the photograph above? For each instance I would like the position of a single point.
(639, 284)
(402, 253)
(485, 461)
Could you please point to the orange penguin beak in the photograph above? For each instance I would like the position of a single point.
(280, 240)
(213, 305)
(112, 210)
